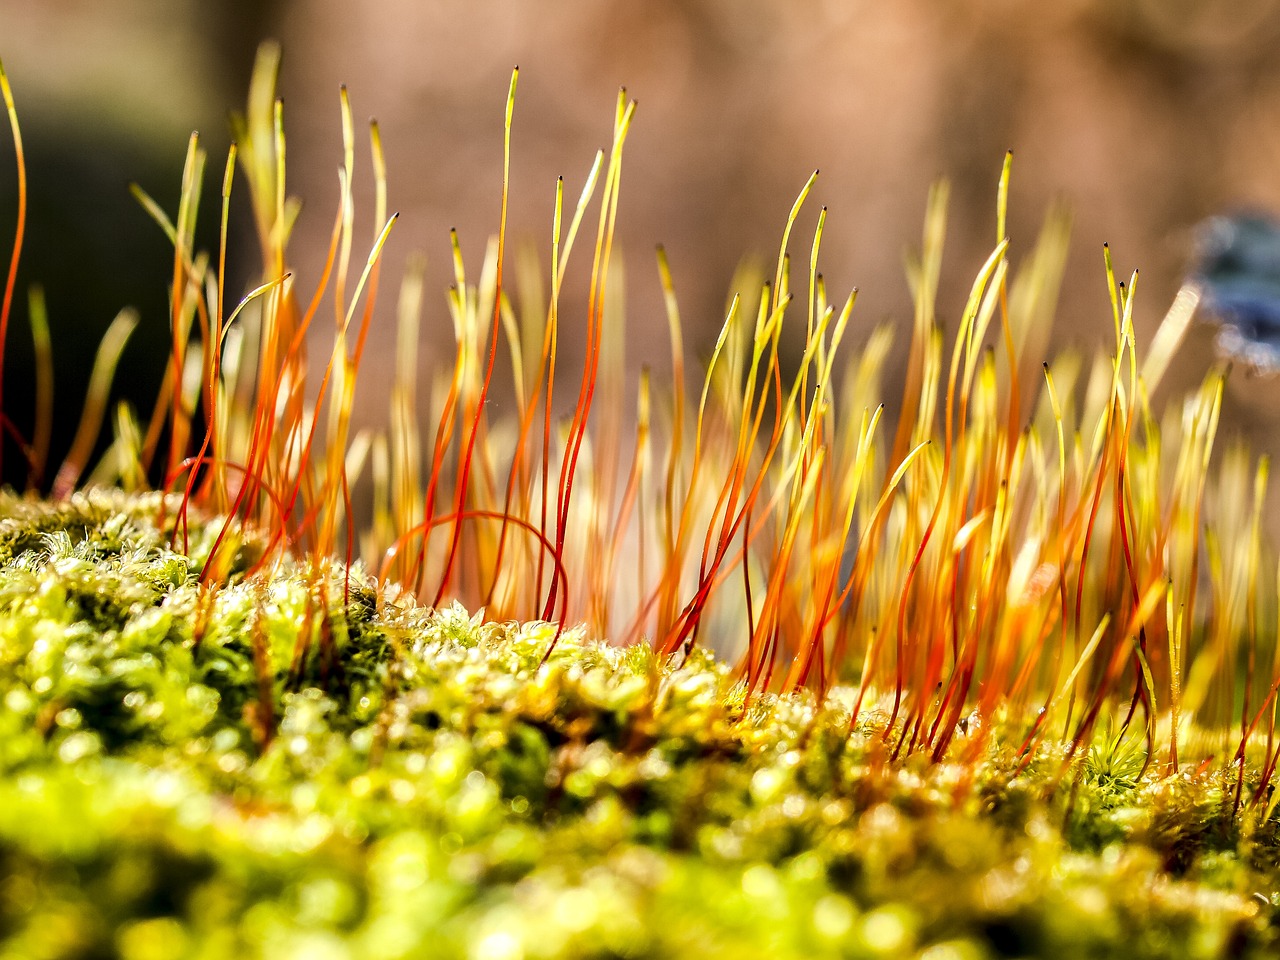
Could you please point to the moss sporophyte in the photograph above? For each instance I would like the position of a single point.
(768, 677)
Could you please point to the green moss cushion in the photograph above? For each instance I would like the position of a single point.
(296, 766)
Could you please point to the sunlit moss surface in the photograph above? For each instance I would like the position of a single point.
(419, 784)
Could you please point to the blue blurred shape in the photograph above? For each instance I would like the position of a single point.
(1238, 271)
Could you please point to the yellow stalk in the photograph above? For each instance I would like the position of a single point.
(95, 402)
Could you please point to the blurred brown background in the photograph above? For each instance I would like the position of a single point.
(1144, 115)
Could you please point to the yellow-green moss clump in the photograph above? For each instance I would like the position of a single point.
(418, 783)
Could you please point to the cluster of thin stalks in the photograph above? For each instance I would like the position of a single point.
(1031, 542)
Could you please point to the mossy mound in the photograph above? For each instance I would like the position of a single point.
(301, 767)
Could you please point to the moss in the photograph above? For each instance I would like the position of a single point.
(438, 785)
